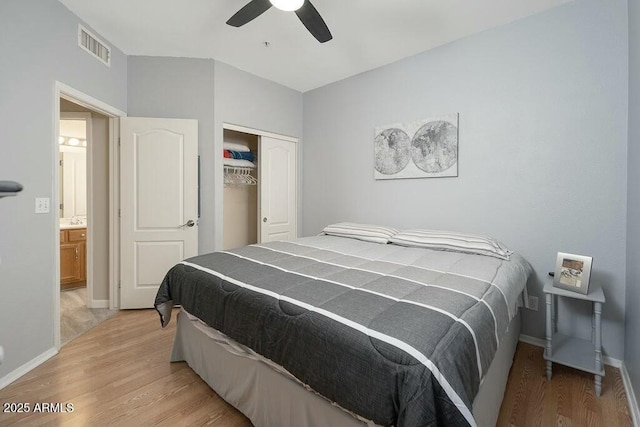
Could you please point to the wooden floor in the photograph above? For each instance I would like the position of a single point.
(118, 374)
(569, 399)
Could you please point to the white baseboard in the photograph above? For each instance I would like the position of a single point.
(611, 361)
(32, 364)
(532, 340)
(631, 396)
(98, 303)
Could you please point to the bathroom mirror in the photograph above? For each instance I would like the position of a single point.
(73, 169)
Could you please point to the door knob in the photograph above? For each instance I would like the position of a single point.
(189, 223)
(264, 219)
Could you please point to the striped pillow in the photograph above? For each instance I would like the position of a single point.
(450, 241)
(366, 232)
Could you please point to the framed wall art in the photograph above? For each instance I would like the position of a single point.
(423, 149)
(573, 272)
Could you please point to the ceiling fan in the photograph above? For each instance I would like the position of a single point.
(303, 8)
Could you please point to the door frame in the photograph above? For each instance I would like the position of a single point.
(69, 93)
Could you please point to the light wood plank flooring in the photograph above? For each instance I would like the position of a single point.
(569, 399)
(118, 374)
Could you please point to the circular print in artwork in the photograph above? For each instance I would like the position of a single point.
(392, 151)
(434, 147)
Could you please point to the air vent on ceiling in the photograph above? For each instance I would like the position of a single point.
(90, 43)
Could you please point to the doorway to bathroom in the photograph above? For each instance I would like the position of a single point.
(73, 140)
(84, 219)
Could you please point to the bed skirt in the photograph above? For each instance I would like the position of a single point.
(266, 394)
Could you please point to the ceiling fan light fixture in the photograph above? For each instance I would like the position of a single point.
(305, 11)
(287, 5)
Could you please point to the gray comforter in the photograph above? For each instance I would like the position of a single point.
(401, 336)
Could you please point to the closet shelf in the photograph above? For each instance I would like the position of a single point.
(236, 175)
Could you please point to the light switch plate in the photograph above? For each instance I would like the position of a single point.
(42, 205)
(533, 303)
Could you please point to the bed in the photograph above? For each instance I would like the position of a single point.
(332, 330)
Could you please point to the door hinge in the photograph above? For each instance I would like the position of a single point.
(119, 284)
(119, 141)
(61, 162)
(119, 213)
(61, 206)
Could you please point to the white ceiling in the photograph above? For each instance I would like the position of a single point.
(366, 33)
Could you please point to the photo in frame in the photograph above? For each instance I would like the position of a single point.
(573, 272)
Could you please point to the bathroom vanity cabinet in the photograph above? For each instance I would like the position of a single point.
(73, 256)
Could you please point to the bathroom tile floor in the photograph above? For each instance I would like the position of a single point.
(75, 317)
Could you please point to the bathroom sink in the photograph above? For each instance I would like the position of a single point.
(70, 223)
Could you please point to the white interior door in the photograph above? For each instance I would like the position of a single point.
(277, 168)
(158, 202)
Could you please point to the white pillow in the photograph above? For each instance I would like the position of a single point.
(451, 241)
(366, 232)
(233, 146)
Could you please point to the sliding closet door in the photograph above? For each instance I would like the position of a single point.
(277, 189)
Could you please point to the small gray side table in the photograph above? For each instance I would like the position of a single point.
(571, 351)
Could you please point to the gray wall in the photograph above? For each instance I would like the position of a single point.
(180, 88)
(213, 93)
(632, 343)
(247, 100)
(542, 146)
(38, 45)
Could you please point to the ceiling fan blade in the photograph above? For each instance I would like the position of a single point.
(249, 12)
(314, 22)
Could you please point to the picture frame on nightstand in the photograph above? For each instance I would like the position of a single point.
(573, 272)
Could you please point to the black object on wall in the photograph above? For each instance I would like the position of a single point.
(9, 188)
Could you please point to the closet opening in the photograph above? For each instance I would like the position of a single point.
(260, 187)
(240, 215)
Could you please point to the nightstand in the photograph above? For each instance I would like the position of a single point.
(571, 351)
